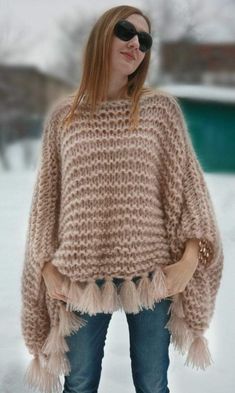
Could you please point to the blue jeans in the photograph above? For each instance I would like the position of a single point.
(149, 344)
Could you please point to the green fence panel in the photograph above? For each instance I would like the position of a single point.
(212, 130)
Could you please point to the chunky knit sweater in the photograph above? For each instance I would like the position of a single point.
(113, 202)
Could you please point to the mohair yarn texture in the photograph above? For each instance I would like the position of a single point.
(111, 202)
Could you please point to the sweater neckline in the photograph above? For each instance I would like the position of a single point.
(120, 101)
(113, 103)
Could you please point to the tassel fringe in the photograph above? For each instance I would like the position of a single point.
(130, 297)
(46, 367)
(90, 299)
(69, 322)
(37, 377)
(176, 306)
(110, 298)
(184, 339)
(58, 364)
(158, 284)
(145, 292)
(74, 295)
(199, 355)
(55, 342)
(180, 334)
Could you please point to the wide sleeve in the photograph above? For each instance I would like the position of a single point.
(189, 213)
(42, 235)
(188, 207)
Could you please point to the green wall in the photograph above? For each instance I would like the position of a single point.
(212, 129)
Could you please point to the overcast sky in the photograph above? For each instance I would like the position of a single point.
(37, 20)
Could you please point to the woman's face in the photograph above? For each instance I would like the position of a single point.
(122, 63)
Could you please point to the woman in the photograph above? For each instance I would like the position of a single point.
(121, 218)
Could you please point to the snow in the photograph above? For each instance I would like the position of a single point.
(15, 198)
(21, 155)
(202, 92)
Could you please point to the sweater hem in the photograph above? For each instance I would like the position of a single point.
(45, 369)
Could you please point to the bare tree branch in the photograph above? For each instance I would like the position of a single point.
(72, 35)
(13, 42)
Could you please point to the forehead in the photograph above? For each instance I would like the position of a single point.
(139, 22)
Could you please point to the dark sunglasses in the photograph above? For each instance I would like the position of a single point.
(125, 30)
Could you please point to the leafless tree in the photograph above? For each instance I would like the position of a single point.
(72, 35)
(14, 42)
(191, 20)
(187, 20)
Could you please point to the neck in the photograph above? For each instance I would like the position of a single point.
(116, 87)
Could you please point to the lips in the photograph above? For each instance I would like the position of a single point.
(128, 55)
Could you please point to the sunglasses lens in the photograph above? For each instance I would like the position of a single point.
(145, 41)
(125, 31)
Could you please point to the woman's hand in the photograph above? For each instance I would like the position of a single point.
(179, 274)
(53, 281)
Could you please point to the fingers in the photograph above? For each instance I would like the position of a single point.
(54, 283)
(173, 293)
(173, 287)
(58, 296)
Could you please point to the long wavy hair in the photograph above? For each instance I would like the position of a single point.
(93, 86)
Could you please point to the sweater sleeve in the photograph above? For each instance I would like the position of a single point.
(189, 211)
(187, 203)
(41, 238)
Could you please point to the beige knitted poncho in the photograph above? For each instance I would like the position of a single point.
(110, 202)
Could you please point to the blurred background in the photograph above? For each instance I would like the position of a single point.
(193, 57)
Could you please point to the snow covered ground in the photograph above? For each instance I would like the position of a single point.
(15, 197)
(202, 92)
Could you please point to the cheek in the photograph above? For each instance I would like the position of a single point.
(116, 45)
(141, 58)
(115, 50)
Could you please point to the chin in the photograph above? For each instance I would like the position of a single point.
(129, 69)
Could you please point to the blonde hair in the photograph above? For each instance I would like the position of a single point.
(96, 70)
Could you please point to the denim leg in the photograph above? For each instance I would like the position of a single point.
(86, 354)
(149, 345)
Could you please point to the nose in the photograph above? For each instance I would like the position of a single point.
(134, 42)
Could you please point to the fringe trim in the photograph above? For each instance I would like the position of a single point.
(69, 322)
(129, 296)
(110, 298)
(199, 355)
(55, 342)
(145, 292)
(184, 339)
(58, 363)
(46, 367)
(158, 285)
(37, 377)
